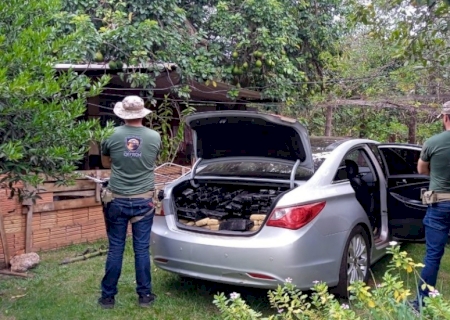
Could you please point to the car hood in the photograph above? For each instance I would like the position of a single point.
(225, 134)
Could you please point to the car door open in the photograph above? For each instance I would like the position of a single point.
(404, 184)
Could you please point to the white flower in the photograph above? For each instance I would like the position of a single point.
(316, 282)
(234, 295)
(280, 310)
(345, 306)
(434, 293)
(379, 285)
(393, 243)
(288, 280)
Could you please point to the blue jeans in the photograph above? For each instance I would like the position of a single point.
(437, 227)
(117, 216)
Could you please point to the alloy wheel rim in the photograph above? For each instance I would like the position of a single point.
(357, 259)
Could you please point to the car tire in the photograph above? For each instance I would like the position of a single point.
(355, 261)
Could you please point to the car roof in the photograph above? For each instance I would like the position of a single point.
(323, 143)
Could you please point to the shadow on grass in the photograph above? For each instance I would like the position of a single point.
(257, 299)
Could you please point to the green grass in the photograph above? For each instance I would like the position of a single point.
(71, 291)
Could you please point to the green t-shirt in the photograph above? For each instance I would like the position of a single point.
(436, 151)
(133, 152)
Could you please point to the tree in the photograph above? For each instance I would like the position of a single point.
(41, 128)
(273, 46)
(378, 88)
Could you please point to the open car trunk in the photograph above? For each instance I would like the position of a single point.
(225, 207)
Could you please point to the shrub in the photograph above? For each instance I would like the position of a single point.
(386, 300)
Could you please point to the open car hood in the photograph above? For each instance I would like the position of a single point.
(222, 134)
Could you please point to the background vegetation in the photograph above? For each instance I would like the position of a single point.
(376, 69)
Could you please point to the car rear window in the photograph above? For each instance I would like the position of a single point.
(321, 148)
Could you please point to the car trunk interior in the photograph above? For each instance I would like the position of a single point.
(233, 207)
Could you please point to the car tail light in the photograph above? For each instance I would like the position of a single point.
(260, 276)
(295, 217)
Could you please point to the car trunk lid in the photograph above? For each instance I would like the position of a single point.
(235, 134)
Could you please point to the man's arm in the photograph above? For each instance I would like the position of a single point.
(106, 158)
(106, 162)
(423, 167)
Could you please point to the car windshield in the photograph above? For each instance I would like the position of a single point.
(321, 147)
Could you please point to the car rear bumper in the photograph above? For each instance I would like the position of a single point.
(303, 256)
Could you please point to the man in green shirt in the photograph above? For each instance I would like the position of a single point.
(130, 152)
(435, 162)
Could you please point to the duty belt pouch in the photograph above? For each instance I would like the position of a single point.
(429, 197)
(106, 197)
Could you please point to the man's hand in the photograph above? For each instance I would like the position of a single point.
(423, 167)
(106, 162)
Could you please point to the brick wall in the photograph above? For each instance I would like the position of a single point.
(51, 229)
(54, 225)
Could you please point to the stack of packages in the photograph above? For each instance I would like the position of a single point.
(217, 208)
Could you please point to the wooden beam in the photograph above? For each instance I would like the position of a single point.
(28, 229)
(4, 242)
(65, 204)
(106, 173)
(85, 193)
(79, 185)
(380, 104)
(97, 187)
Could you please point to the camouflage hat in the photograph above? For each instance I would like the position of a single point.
(446, 108)
(131, 107)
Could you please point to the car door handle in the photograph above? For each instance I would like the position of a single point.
(401, 182)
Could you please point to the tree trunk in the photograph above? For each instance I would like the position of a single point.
(329, 122)
(362, 126)
(412, 125)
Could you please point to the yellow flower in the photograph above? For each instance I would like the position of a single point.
(371, 304)
(409, 269)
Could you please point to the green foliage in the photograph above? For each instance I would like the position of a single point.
(41, 131)
(417, 31)
(387, 300)
(277, 44)
(162, 120)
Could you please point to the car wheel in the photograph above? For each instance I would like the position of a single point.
(355, 264)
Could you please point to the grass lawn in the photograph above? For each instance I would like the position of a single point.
(71, 291)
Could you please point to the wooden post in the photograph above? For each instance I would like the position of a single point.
(4, 242)
(412, 126)
(28, 230)
(329, 122)
(97, 186)
(29, 222)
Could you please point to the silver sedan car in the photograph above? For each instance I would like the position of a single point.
(265, 202)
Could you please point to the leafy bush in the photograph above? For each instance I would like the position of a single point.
(387, 300)
(42, 131)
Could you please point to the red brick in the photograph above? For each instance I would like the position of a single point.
(81, 216)
(14, 223)
(64, 218)
(58, 235)
(35, 221)
(96, 213)
(41, 233)
(48, 219)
